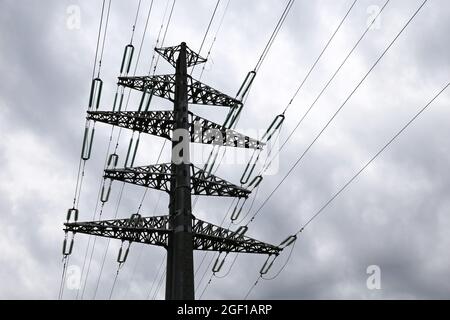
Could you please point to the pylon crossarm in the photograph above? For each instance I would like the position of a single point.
(160, 123)
(155, 230)
(208, 132)
(171, 55)
(211, 185)
(214, 238)
(159, 177)
(154, 176)
(150, 230)
(163, 86)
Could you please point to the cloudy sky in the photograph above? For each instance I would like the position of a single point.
(394, 216)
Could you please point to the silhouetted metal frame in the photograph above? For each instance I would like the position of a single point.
(163, 86)
(155, 230)
(159, 177)
(160, 123)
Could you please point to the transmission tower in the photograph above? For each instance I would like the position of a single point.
(179, 232)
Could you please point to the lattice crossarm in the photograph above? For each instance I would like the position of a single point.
(214, 238)
(153, 230)
(208, 132)
(171, 55)
(159, 123)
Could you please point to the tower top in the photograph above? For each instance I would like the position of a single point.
(171, 55)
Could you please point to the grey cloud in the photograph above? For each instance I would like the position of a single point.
(395, 215)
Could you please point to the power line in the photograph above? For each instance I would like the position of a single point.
(158, 37)
(154, 214)
(98, 39)
(114, 281)
(355, 176)
(290, 102)
(135, 21)
(324, 128)
(165, 32)
(372, 159)
(258, 65)
(337, 112)
(209, 26)
(93, 218)
(126, 106)
(207, 31)
(82, 162)
(213, 154)
(319, 57)
(274, 34)
(164, 144)
(107, 244)
(154, 70)
(158, 287)
(104, 40)
(351, 180)
(155, 280)
(214, 38)
(261, 276)
(117, 143)
(325, 87)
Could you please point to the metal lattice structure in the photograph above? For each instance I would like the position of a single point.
(152, 230)
(171, 55)
(179, 231)
(161, 123)
(163, 86)
(155, 231)
(159, 176)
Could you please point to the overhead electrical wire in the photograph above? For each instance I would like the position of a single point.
(158, 37)
(357, 174)
(258, 65)
(165, 33)
(154, 70)
(370, 161)
(338, 110)
(118, 137)
(267, 163)
(274, 35)
(213, 274)
(354, 177)
(164, 144)
(375, 19)
(155, 280)
(201, 46)
(206, 32)
(291, 101)
(214, 39)
(302, 83)
(160, 282)
(110, 140)
(107, 245)
(82, 162)
(214, 152)
(135, 21)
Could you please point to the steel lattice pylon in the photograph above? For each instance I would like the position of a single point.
(179, 231)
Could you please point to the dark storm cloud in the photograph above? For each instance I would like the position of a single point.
(394, 216)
